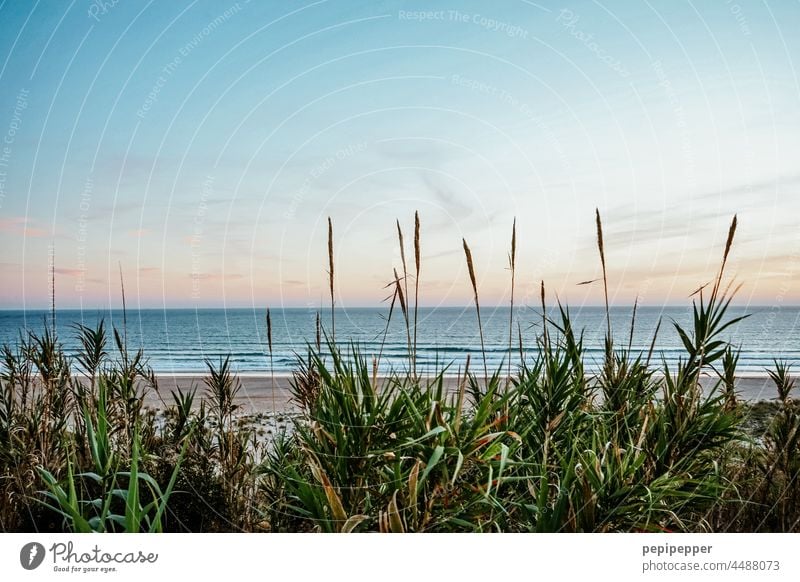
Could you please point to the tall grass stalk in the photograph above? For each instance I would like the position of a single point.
(404, 310)
(124, 307)
(543, 303)
(393, 285)
(403, 258)
(271, 361)
(53, 285)
(318, 332)
(417, 267)
(728, 246)
(601, 249)
(404, 296)
(471, 269)
(512, 263)
(330, 277)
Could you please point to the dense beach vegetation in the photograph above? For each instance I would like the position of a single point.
(537, 445)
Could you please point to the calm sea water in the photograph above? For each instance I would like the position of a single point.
(180, 340)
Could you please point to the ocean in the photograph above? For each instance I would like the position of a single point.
(179, 341)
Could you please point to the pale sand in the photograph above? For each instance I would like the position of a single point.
(262, 393)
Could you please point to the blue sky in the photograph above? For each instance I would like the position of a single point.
(201, 146)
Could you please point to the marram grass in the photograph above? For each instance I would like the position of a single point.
(538, 446)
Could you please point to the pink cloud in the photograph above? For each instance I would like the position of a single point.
(69, 272)
(12, 222)
(216, 276)
(20, 225)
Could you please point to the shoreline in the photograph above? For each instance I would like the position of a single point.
(262, 375)
(266, 393)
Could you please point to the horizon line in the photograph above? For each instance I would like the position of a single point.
(323, 309)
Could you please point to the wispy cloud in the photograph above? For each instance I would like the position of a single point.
(746, 191)
(69, 272)
(449, 200)
(20, 225)
(624, 226)
(217, 276)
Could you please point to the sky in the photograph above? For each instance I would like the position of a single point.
(196, 149)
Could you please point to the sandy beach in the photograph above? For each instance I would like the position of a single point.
(262, 393)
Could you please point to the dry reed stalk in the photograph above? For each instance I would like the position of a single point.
(402, 256)
(512, 262)
(330, 277)
(653, 343)
(53, 286)
(544, 314)
(124, 308)
(601, 248)
(728, 245)
(633, 323)
(715, 292)
(319, 332)
(271, 362)
(471, 268)
(400, 295)
(269, 331)
(403, 308)
(405, 285)
(417, 265)
(388, 320)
